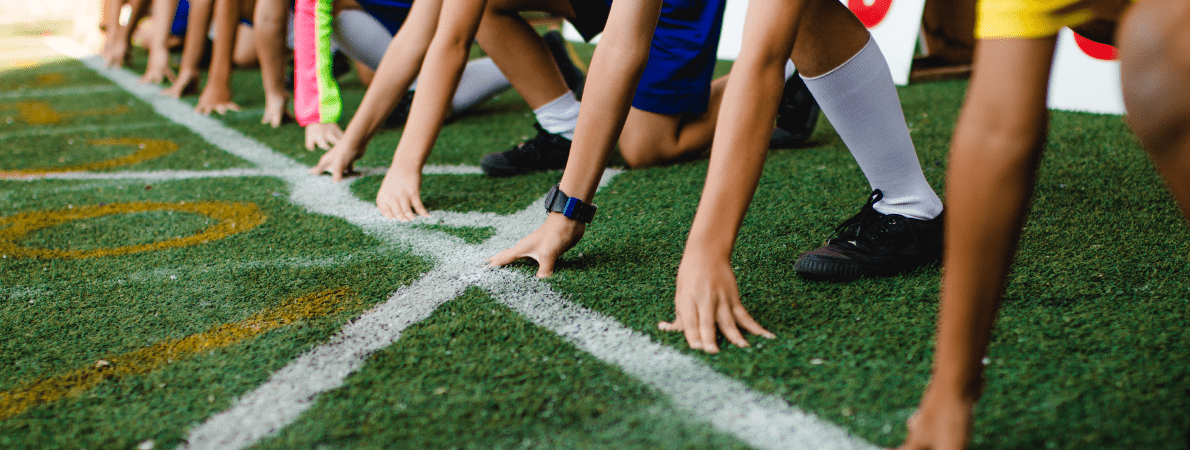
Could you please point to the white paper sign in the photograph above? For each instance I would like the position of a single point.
(1085, 77)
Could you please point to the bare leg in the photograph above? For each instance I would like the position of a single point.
(1155, 66)
(244, 51)
(994, 156)
(519, 51)
(828, 35)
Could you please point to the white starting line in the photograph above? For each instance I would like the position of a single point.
(763, 421)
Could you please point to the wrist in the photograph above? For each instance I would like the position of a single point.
(572, 208)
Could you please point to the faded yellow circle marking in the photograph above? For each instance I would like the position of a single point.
(154, 357)
(233, 218)
(148, 149)
(42, 113)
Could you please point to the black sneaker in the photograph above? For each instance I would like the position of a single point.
(871, 244)
(400, 114)
(560, 50)
(546, 151)
(797, 115)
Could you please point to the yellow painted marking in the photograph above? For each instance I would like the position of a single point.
(49, 79)
(233, 218)
(41, 113)
(574, 57)
(148, 149)
(156, 356)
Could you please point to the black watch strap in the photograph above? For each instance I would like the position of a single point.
(573, 208)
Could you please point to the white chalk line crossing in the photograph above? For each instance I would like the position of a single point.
(763, 421)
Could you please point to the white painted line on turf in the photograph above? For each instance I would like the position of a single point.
(294, 389)
(57, 92)
(764, 421)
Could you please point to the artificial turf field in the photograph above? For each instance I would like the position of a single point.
(175, 280)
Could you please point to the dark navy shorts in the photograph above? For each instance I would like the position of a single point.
(390, 13)
(677, 77)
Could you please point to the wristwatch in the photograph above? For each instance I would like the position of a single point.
(572, 208)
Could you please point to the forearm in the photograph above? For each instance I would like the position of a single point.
(161, 13)
(226, 18)
(993, 160)
(197, 22)
(396, 72)
(615, 71)
(439, 78)
(269, 21)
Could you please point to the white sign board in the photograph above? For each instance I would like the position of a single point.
(1085, 77)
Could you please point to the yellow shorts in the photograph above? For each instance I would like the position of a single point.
(1024, 18)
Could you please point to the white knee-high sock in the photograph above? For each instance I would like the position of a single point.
(364, 39)
(559, 116)
(859, 99)
(361, 36)
(480, 81)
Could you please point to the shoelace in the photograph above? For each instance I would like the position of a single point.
(853, 229)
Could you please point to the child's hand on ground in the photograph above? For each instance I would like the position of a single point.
(338, 161)
(157, 70)
(185, 83)
(115, 54)
(942, 422)
(275, 111)
(322, 135)
(400, 196)
(215, 99)
(545, 245)
(708, 298)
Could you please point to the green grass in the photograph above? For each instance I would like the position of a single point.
(1090, 350)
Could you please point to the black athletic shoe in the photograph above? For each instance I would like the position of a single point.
(570, 72)
(871, 244)
(400, 114)
(797, 115)
(546, 151)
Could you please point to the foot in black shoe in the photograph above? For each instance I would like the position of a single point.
(400, 114)
(871, 244)
(570, 72)
(797, 115)
(546, 151)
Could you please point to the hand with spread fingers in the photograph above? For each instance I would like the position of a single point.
(214, 99)
(708, 302)
(322, 135)
(157, 70)
(400, 196)
(339, 160)
(545, 245)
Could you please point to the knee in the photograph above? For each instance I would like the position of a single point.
(642, 150)
(1155, 70)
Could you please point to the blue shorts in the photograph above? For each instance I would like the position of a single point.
(390, 13)
(182, 17)
(677, 77)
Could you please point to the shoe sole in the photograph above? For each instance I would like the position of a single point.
(812, 267)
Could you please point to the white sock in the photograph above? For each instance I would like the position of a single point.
(789, 69)
(361, 36)
(559, 116)
(859, 99)
(480, 81)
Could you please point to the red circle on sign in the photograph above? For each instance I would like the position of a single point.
(1096, 50)
(870, 15)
